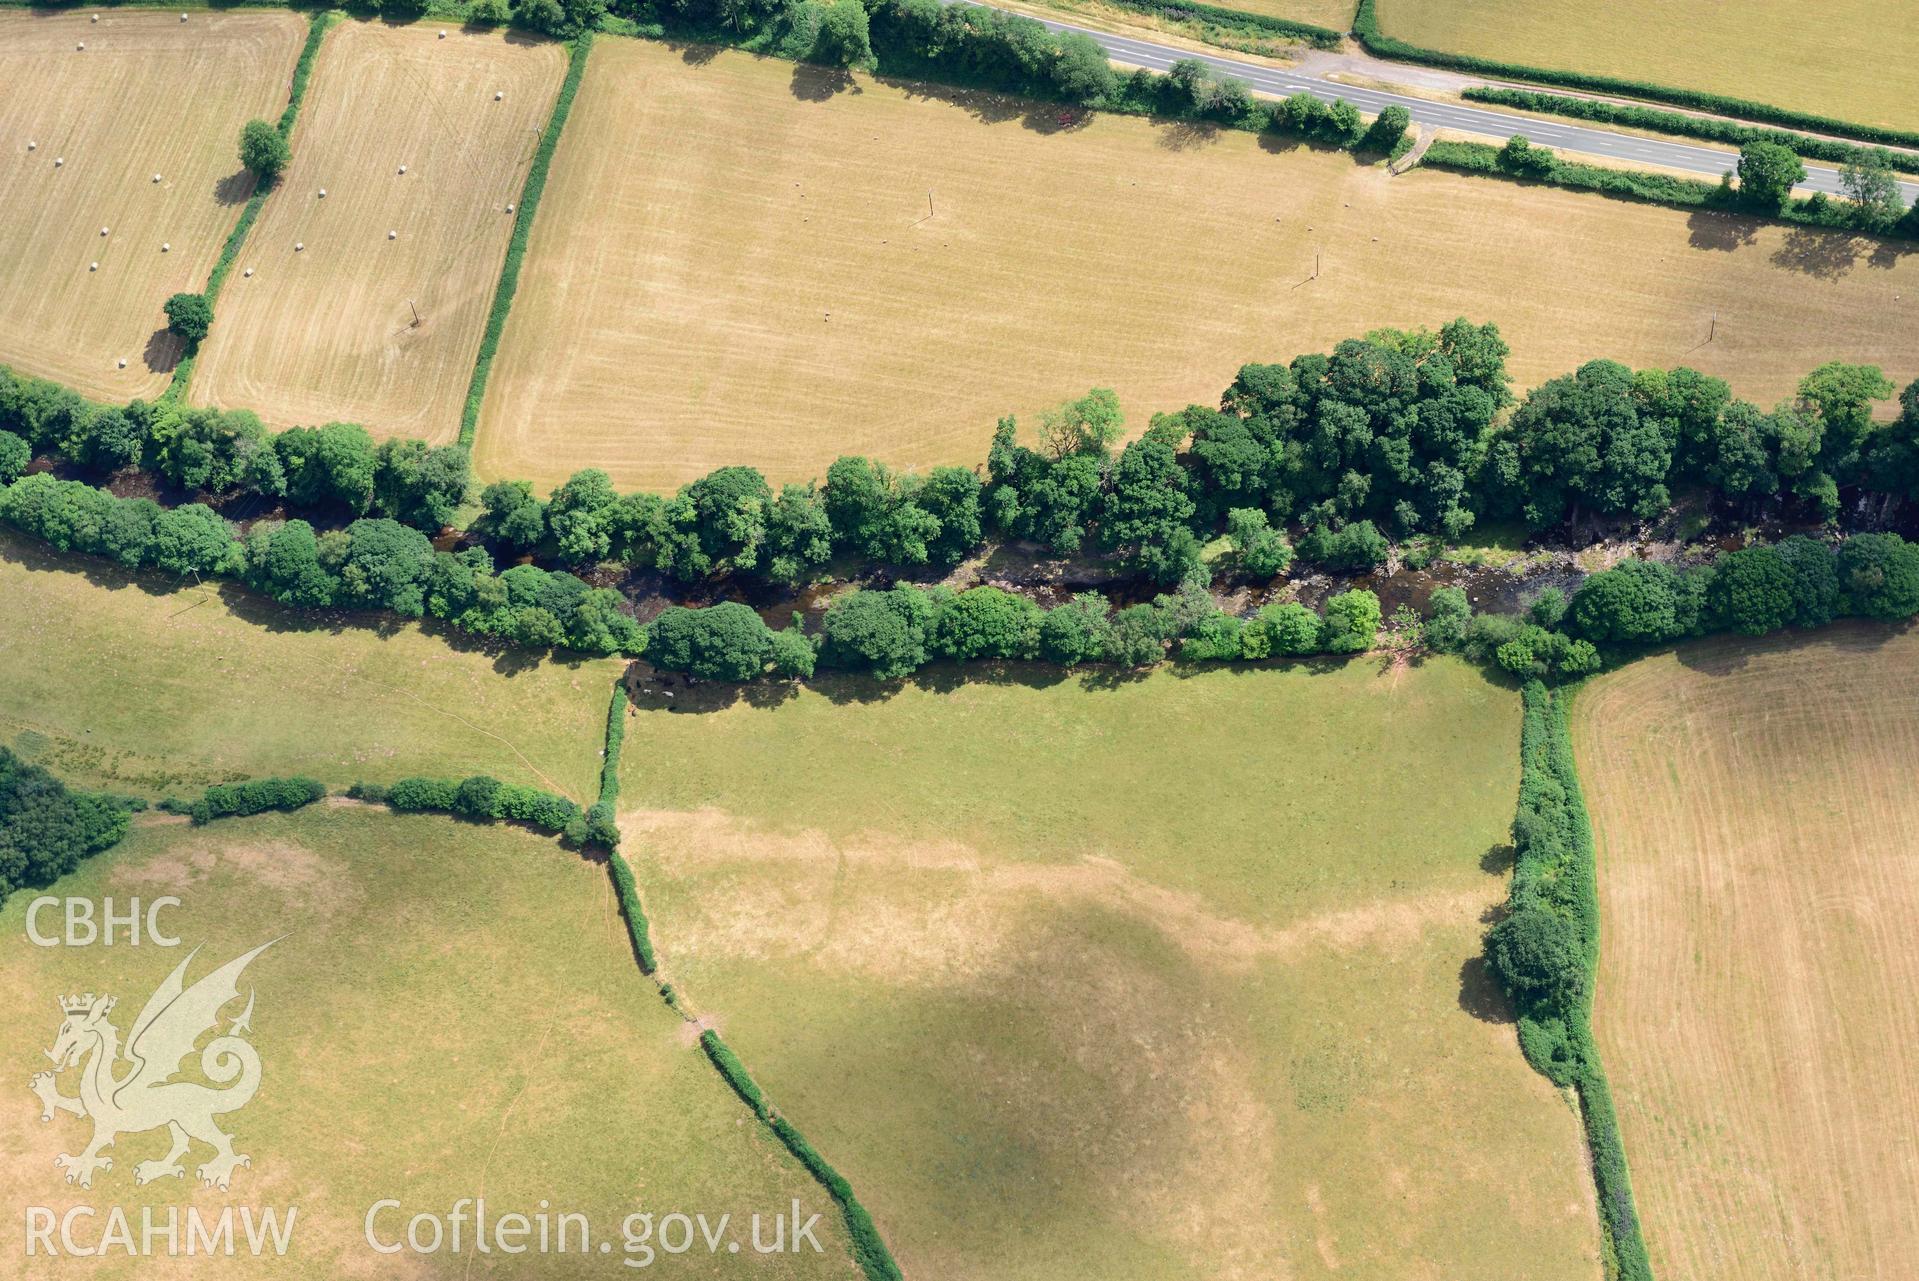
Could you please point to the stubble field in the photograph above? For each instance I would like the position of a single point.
(733, 263)
(327, 332)
(121, 682)
(449, 1012)
(149, 94)
(1169, 979)
(1757, 817)
(1807, 57)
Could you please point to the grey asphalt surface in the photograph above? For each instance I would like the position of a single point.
(1706, 161)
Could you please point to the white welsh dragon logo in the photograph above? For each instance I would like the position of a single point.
(144, 1096)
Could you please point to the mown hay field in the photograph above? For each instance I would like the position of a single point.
(450, 1011)
(733, 263)
(1757, 817)
(328, 332)
(1834, 59)
(1177, 977)
(149, 94)
(135, 684)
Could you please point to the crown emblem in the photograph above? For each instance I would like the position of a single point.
(76, 1004)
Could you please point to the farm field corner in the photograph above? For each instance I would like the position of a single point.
(122, 682)
(733, 263)
(83, 132)
(448, 1011)
(1756, 811)
(403, 131)
(1171, 978)
(1804, 57)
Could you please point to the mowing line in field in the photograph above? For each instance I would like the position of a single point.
(317, 25)
(522, 230)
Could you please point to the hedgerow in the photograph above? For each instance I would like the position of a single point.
(317, 24)
(869, 1248)
(529, 205)
(254, 796)
(482, 798)
(1555, 879)
(1711, 128)
(1366, 28)
(1256, 23)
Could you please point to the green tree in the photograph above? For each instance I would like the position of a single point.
(1448, 613)
(986, 622)
(330, 466)
(15, 454)
(46, 829)
(1351, 622)
(1081, 72)
(193, 539)
(385, 567)
(1263, 551)
(724, 642)
(1538, 956)
(189, 316)
(1088, 425)
(510, 516)
(1290, 628)
(1138, 637)
(799, 535)
(1752, 591)
(1637, 602)
(284, 563)
(1077, 631)
(579, 515)
(1870, 184)
(1879, 575)
(1768, 171)
(1388, 127)
(419, 484)
(844, 39)
(884, 632)
(263, 150)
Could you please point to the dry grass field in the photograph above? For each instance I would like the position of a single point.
(120, 682)
(733, 264)
(327, 332)
(450, 1011)
(1169, 979)
(149, 94)
(1839, 58)
(1757, 814)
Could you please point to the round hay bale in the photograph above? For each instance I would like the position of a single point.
(247, 272)
(103, 231)
(93, 266)
(509, 208)
(32, 145)
(298, 245)
(323, 193)
(81, 45)
(443, 35)
(96, 17)
(402, 168)
(156, 177)
(123, 362)
(165, 247)
(392, 235)
(497, 95)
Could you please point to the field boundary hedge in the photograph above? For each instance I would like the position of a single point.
(869, 1248)
(530, 193)
(252, 796)
(1555, 862)
(1376, 42)
(1710, 128)
(604, 813)
(1318, 37)
(317, 25)
(1648, 187)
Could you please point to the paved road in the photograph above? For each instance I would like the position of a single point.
(1706, 161)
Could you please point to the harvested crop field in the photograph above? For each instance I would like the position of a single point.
(133, 684)
(733, 263)
(1176, 977)
(328, 332)
(449, 1011)
(1757, 816)
(1806, 57)
(82, 134)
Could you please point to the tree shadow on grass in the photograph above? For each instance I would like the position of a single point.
(1480, 995)
(813, 83)
(1725, 655)
(992, 108)
(235, 188)
(1821, 254)
(1717, 230)
(163, 351)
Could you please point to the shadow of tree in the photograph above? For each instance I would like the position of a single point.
(818, 84)
(163, 350)
(1479, 993)
(1823, 255)
(235, 188)
(1725, 232)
